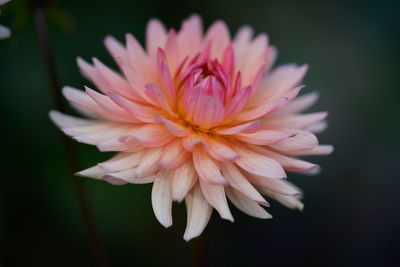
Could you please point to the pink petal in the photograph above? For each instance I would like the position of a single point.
(219, 149)
(189, 37)
(206, 167)
(116, 146)
(236, 179)
(261, 110)
(192, 140)
(151, 135)
(299, 121)
(317, 150)
(141, 113)
(237, 103)
(128, 176)
(301, 103)
(279, 82)
(275, 185)
(80, 98)
(218, 34)
(156, 36)
(248, 127)
(215, 195)
(115, 48)
(302, 141)
(109, 106)
(208, 112)
(122, 161)
(148, 164)
(165, 75)
(91, 73)
(94, 172)
(115, 83)
(258, 164)
(290, 164)
(264, 137)
(173, 155)
(174, 128)
(290, 201)
(183, 179)
(246, 205)
(161, 199)
(157, 96)
(317, 128)
(139, 60)
(198, 213)
(135, 79)
(66, 121)
(99, 136)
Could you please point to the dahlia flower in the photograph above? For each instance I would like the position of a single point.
(4, 31)
(202, 117)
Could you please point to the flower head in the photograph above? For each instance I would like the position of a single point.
(4, 31)
(202, 117)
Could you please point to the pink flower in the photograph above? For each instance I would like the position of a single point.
(4, 31)
(202, 117)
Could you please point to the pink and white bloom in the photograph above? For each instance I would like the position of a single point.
(4, 31)
(201, 116)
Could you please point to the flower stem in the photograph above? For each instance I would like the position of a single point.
(199, 253)
(98, 249)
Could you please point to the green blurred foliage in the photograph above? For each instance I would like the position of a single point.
(351, 207)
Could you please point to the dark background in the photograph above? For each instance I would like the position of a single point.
(351, 215)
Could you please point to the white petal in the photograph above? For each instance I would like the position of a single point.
(198, 213)
(236, 179)
(161, 199)
(122, 161)
(182, 180)
(247, 205)
(94, 172)
(215, 195)
(65, 121)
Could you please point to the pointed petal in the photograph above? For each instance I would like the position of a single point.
(237, 103)
(248, 127)
(161, 199)
(94, 172)
(302, 141)
(247, 205)
(174, 128)
(219, 149)
(121, 161)
(261, 110)
(65, 121)
(148, 164)
(218, 34)
(317, 150)
(215, 195)
(298, 121)
(183, 179)
(198, 213)
(290, 201)
(258, 164)
(301, 103)
(141, 113)
(193, 140)
(157, 96)
(151, 135)
(264, 137)
(236, 179)
(206, 167)
(173, 155)
(156, 36)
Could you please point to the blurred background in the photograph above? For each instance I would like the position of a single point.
(351, 215)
